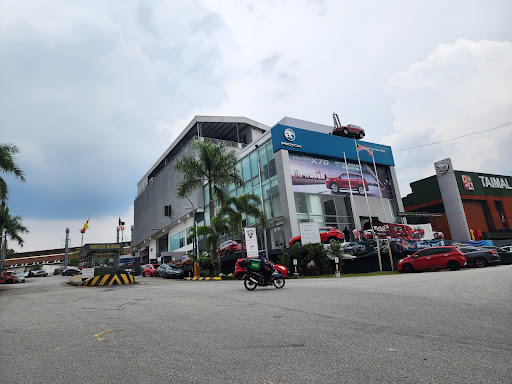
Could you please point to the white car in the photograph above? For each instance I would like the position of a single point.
(506, 248)
(21, 277)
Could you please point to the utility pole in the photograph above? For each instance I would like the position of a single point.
(66, 249)
(4, 250)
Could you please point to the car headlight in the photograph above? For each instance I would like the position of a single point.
(400, 261)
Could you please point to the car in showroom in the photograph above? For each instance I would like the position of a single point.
(71, 271)
(480, 257)
(433, 258)
(349, 130)
(229, 247)
(327, 234)
(343, 182)
(150, 270)
(240, 271)
(354, 248)
(169, 271)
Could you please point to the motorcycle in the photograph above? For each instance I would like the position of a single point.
(253, 279)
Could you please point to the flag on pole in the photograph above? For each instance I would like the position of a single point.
(360, 147)
(86, 226)
(121, 225)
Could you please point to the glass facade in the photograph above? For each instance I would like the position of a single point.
(328, 210)
(268, 190)
(177, 241)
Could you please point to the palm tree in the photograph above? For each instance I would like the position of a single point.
(219, 225)
(213, 163)
(236, 208)
(8, 165)
(13, 229)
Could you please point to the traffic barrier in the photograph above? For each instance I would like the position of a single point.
(109, 279)
(203, 278)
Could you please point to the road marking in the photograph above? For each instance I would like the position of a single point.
(187, 301)
(97, 335)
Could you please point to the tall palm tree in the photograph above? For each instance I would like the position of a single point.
(219, 225)
(8, 165)
(213, 163)
(13, 228)
(236, 208)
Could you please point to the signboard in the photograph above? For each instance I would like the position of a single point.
(419, 214)
(483, 184)
(310, 142)
(309, 233)
(87, 273)
(251, 242)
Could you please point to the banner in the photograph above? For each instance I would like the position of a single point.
(309, 233)
(329, 176)
(251, 242)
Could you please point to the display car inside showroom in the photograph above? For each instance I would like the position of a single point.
(300, 170)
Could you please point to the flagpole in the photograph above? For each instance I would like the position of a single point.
(351, 195)
(368, 205)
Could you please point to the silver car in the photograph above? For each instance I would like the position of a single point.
(21, 277)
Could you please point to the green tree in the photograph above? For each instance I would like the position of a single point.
(213, 163)
(13, 226)
(236, 208)
(8, 165)
(219, 225)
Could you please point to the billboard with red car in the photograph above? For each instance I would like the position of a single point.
(332, 176)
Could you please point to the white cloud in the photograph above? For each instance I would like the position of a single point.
(459, 89)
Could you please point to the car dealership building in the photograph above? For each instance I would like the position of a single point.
(469, 202)
(301, 171)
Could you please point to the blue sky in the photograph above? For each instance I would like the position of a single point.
(93, 92)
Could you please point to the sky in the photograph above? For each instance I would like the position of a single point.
(93, 92)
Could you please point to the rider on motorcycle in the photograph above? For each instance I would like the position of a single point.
(266, 268)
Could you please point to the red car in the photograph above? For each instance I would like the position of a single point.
(335, 184)
(327, 234)
(239, 271)
(433, 258)
(230, 246)
(349, 130)
(150, 270)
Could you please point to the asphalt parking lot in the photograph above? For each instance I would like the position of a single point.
(432, 327)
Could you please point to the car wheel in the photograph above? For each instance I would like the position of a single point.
(334, 187)
(480, 262)
(453, 265)
(361, 135)
(407, 268)
(345, 131)
(361, 190)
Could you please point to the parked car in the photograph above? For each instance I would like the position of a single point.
(480, 257)
(349, 130)
(433, 258)
(240, 271)
(327, 234)
(506, 248)
(354, 248)
(150, 270)
(71, 271)
(21, 277)
(14, 275)
(6, 278)
(169, 271)
(57, 271)
(354, 181)
(39, 273)
(229, 247)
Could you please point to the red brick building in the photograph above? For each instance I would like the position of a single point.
(486, 199)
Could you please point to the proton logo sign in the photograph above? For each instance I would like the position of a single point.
(289, 134)
(441, 167)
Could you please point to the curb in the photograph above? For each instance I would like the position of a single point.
(109, 279)
(203, 278)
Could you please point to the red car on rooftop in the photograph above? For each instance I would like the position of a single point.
(349, 130)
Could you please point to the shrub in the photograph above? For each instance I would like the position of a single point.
(284, 259)
(204, 272)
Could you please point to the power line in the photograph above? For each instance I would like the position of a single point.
(455, 138)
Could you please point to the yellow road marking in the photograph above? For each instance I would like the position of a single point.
(97, 335)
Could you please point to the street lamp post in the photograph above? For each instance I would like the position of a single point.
(262, 205)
